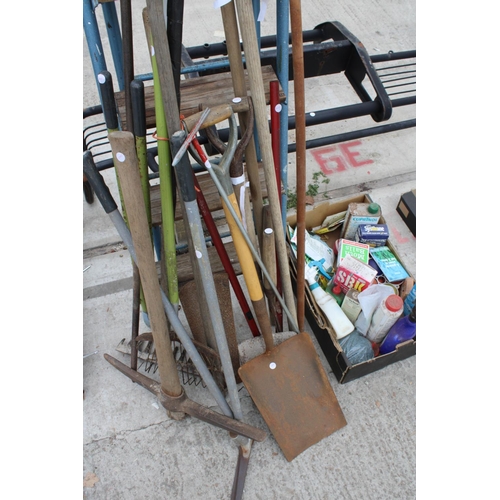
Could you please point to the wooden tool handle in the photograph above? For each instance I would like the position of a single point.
(252, 59)
(123, 146)
(233, 45)
(269, 256)
(217, 114)
(300, 134)
(249, 273)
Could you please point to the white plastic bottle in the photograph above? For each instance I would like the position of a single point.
(338, 319)
(386, 314)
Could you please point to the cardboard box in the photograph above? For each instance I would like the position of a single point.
(344, 371)
(407, 209)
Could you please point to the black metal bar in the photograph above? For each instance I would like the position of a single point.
(397, 79)
(91, 111)
(217, 49)
(393, 56)
(385, 68)
(128, 54)
(400, 85)
(402, 92)
(346, 112)
(175, 16)
(356, 134)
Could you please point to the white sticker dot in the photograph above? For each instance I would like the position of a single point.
(152, 50)
(237, 99)
(198, 254)
(120, 157)
(101, 78)
(313, 113)
(278, 108)
(272, 366)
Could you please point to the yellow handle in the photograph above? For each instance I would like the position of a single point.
(244, 254)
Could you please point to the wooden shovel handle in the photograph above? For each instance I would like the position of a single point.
(252, 58)
(249, 273)
(123, 146)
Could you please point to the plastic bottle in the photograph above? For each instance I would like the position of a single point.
(386, 314)
(339, 321)
(404, 329)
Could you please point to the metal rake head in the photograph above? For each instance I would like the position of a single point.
(146, 356)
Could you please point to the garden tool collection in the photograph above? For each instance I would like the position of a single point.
(285, 377)
(177, 403)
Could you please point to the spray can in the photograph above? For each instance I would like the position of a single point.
(357, 214)
(386, 314)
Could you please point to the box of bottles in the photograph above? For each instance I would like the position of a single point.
(323, 331)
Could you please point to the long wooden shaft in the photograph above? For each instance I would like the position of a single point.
(249, 273)
(154, 21)
(123, 146)
(300, 156)
(240, 90)
(252, 57)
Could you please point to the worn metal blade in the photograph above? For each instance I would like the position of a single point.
(289, 386)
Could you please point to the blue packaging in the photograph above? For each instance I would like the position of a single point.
(375, 235)
(410, 300)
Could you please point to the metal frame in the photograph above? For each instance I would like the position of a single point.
(328, 49)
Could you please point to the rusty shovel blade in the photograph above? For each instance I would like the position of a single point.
(289, 386)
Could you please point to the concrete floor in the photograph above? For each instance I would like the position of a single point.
(131, 449)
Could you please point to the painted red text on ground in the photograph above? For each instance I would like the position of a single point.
(337, 158)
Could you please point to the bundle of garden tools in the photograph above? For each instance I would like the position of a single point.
(280, 370)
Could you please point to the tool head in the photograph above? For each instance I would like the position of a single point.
(190, 137)
(222, 169)
(289, 386)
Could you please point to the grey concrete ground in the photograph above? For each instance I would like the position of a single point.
(131, 449)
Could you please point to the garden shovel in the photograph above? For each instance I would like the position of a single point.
(287, 383)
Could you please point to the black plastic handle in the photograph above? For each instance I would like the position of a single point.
(138, 107)
(97, 182)
(183, 168)
(108, 99)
